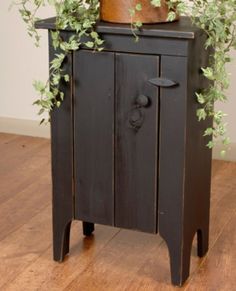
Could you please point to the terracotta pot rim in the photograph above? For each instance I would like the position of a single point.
(117, 11)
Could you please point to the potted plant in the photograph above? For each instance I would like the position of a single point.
(216, 17)
(123, 11)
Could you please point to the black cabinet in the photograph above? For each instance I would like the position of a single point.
(127, 148)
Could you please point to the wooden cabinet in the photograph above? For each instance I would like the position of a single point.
(127, 148)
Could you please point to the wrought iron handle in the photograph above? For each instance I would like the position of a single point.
(136, 114)
(136, 118)
(162, 82)
(142, 101)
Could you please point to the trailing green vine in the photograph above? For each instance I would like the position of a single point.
(216, 17)
(81, 16)
(173, 6)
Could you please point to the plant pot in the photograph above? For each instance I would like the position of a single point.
(118, 11)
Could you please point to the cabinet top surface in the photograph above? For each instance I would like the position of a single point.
(182, 28)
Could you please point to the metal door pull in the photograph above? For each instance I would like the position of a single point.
(162, 82)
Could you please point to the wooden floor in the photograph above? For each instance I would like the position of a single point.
(110, 260)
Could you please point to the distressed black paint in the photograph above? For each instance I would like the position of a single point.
(130, 153)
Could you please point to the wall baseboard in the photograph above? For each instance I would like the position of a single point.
(32, 128)
(24, 127)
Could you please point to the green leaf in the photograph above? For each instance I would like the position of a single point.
(201, 114)
(156, 3)
(209, 131)
(39, 86)
(89, 44)
(200, 98)
(138, 7)
(223, 153)
(94, 34)
(138, 24)
(67, 78)
(210, 144)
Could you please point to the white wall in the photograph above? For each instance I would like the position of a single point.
(230, 106)
(21, 63)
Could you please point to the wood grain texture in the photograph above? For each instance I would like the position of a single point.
(24, 245)
(94, 136)
(28, 158)
(180, 29)
(124, 260)
(151, 45)
(136, 148)
(13, 215)
(21, 165)
(45, 274)
(18, 152)
(62, 161)
(165, 39)
(5, 138)
(173, 112)
(184, 189)
(83, 149)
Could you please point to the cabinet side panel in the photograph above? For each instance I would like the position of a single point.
(94, 127)
(62, 162)
(198, 155)
(136, 148)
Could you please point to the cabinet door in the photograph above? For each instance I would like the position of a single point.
(136, 156)
(93, 144)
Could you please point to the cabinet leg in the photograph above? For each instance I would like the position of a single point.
(88, 228)
(202, 241)
(180, 256)
(61, 242)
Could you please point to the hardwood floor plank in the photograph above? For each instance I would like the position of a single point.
(222, 213)
(24, 205)
(218, 272)
(25, 173)
(118, 263)
(6, 138)
(153, 273)
(19, 151)
(216, 166)
(45, 274)
(222, 180)
(23, 246)
(111, 259)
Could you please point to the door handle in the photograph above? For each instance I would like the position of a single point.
(163, 82)
(142, 101)
(136, 114)
(136, 118)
